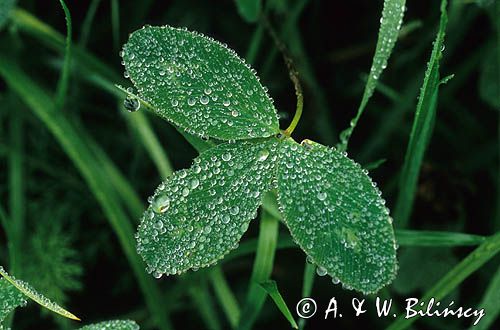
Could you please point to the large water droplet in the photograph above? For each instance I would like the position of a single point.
(131, 104)
(161, 204)
(262, 155)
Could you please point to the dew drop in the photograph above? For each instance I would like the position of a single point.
(262, 155)
(194, 183)
(161, 204)
(321, 196)
(204, 99)
(234, 210)
(321, 271)
(131, 104)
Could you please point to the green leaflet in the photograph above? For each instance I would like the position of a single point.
(31, 293)
(112, 325)
(335, 213)
(198, 215)
(390, 23)
(10, 298)
(198, 84)
(249, 9)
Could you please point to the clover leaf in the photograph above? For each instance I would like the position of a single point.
(198, 84)
(330, 205)
(199, 214)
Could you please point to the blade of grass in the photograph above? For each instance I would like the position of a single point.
(97, 72)
(62, 85)
(44, 108)
(115, 24)
(477, 258)
(150, 141)
(422, 128)
(436, 238)
(390, 23)
(17, 195)
(203, 301)
(225, 296)
(262, 268)
(272, 290)
(404, 238)
(490, 303)
(307, 286)
(87, 23)
(255, 42)
(497, 44)
(36, 297)
(121, 185)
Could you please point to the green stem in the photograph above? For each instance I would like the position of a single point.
(307, 286)
(262, 268)
(62, 85)
(292, 72)
(17, 194)
(225, 296)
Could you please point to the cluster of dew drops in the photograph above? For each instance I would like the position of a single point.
(221, 215)
(317, 187)
(205, 93)
(29, 291)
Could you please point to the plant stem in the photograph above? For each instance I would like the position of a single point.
(225, 296)
(262, 268)
(292, 72)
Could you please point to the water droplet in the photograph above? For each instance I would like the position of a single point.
(161, 204)
(204, 99)
(262, 155)
(131, 104)
(234, 210)
(321, 271)
(226, 157)
(321, 196)
(195, 183)
(226, 103)
(235, 113)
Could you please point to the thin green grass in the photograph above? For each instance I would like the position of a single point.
(225, 296)
(261, 271)
(421, 132)
(272, 290)
(490, 303)
(487, 250)
(62, 85)
(44, 108)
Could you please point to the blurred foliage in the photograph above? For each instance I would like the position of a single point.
(63, 241)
